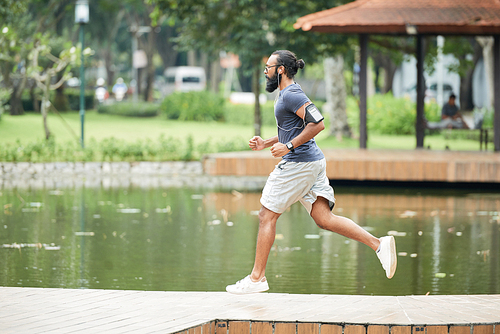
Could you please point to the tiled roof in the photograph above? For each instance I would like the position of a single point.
(393, 16)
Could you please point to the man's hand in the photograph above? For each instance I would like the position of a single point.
(279, 150)
(256, 143)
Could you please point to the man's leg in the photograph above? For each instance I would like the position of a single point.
(256, 282)
(265, 240)
(325, 219)
(385, 246)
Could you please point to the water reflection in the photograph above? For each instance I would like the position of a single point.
(189, 240)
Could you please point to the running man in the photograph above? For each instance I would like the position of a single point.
(300, 175)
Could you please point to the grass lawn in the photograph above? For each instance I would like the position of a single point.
(29, 128)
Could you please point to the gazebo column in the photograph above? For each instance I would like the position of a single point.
(420, 127)
(363, 45)
(496, 117)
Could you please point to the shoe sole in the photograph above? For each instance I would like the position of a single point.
(394, 258)
(245, 293)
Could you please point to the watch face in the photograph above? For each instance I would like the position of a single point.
(289, 145)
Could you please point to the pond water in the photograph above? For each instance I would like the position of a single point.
(201, 240)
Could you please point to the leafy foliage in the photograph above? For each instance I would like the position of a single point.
(193, 106)
(389, 115)
(139, 109)
(113, 149)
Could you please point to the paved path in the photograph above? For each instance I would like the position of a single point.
(35, 310)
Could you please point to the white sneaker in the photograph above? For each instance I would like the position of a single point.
(387, 255)
(246, 286)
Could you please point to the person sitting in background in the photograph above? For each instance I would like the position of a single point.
(450, 117)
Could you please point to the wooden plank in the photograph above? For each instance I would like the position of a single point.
(262, 328)
(377, 329)
(460, 330)
(221, 327)
(285, 328)
(401, 330)
(307, 328)
(354, 329)
(198, 330)
(239, 327)
(331, 329)
(482, 329)
(437, 330)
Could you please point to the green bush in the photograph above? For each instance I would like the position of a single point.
(72, 99)
(389, 115)
(113, 149)
(135, 109)
(243, 114)
(193, 106)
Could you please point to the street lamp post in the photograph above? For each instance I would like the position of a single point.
(82, 18)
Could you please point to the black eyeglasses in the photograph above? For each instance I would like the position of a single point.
(266, 69)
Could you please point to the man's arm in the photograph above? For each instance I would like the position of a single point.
(309, 132)
(257, 143)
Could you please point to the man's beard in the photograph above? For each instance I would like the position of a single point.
(272, 83)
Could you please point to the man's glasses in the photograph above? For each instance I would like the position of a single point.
(266, 69)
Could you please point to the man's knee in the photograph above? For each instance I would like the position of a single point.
(267, 216)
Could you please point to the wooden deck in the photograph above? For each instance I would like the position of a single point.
(374, 165)
(36, 310)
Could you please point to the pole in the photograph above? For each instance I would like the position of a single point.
(496, 117)
(82, 87)
(363, 44)
(420, 127)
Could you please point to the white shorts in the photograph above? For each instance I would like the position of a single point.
(297, 181)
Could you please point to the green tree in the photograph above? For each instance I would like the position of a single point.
(251, 29)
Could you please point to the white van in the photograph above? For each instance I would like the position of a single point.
(184, 79)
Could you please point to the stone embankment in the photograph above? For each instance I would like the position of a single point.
(119, 174)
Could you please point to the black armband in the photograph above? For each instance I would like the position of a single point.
(312, 114)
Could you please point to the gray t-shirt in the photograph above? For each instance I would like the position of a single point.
(290, 125)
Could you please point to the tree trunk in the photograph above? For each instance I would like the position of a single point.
(256, 90)
(466, 101)
(45, 108)
(385, 62)
(487, 45)
(336, 94)
(150, 68)
(16, 105)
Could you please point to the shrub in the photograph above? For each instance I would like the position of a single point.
(136, 109)
(243, 114)
(389, 115)
(72, 99)
(194, 106)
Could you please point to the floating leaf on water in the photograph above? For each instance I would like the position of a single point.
(30, 209)
(402, 254)
(197, 196)
(84, 234)
(459, 234)
(413, 255)
(168, 209)
(440, 275)
(128, 210)
(237, 194)
(279, 236)
(214, 222)
(230, 224)
(408, 214)
(397, 234)
(312, 236)
(56, 192)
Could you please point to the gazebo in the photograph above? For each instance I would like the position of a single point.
(412, 17)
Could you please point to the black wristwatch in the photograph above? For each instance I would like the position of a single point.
(289, 146)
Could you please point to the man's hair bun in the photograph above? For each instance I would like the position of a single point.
(300, 63)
